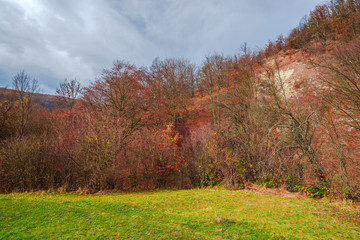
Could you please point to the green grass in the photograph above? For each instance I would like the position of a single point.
(183, 214)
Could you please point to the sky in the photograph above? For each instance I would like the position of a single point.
(56, 39)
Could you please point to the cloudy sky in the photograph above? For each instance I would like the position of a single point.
(56, 39)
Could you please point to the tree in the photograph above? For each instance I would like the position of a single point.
(25, 87)
(172, 83)
(297, 123)
(119, 97)
(320, 23)
(341, 77)
(116, 108)
(214, 77)
(68, 92)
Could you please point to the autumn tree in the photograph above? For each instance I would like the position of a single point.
(341, 74)
(213, 75)
(343, 79)
(300, 36)
(172, 83)
(319, 22)
(247, 113)
(345, 18)
(116, 107)
(337, 20)
(236, 150)
(298, 124)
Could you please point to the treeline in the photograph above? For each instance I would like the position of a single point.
(110, 138)
(329, 24)
(133, 128)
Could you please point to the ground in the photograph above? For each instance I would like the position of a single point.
(176, 214)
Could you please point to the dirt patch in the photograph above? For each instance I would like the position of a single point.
(274, 191)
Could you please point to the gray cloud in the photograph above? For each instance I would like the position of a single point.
(52, 40)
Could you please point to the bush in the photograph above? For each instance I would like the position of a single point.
(269, 180)
(348, 194)
(317, 190)
(292, 184)
(209, 178)
(22, 165)
(353, 196)
(278, 180)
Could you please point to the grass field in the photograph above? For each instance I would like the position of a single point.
(182, 214)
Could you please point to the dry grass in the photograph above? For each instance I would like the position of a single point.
(274, 191)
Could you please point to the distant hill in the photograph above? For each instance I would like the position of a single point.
(45, 100)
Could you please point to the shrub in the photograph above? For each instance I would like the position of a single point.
(292, 184)
(348, 194)
(317, 190)
(210, 178)
(278, 180)
(353, 196)
(270, 180)
(23, 165)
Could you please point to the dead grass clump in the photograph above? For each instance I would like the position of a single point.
(85, 191)
(274, 191)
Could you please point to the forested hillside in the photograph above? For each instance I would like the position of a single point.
(287, 115)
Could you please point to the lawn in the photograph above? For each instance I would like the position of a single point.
(181, 214)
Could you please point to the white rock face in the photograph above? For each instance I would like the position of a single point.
(287, 81)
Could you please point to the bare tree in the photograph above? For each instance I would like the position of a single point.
(173, 81)
(6, 106)
(299, 125)
(25, 87)
(344, 82)
(341, 78)
(213, 78)
(68, 92)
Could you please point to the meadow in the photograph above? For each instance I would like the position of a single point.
(174, 214)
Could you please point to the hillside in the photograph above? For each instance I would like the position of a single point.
(45, 100)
